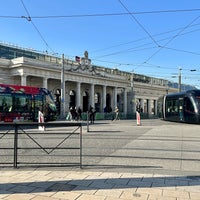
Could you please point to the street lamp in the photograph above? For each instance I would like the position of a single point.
(179, 80)
(132, 91)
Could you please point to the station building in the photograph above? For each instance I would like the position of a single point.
(78, 83)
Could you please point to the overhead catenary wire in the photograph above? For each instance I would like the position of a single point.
(137, 21)
(104, 14)
(182, 50)
(144, 38)
(29, 19)
(172, 38)
(138, 48)
(35, 27)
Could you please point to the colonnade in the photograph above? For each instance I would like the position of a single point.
(106, 97)
(109, 96)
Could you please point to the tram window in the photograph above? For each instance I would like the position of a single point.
(175, 105)
(38, 103)
(198, 99)
(169, 106)
(5, 102)
(21, 103)
(188, 105)
(172, 105)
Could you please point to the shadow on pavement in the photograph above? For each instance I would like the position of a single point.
(102, 183)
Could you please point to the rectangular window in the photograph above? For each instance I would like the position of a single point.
(5, 102)
(22, 103)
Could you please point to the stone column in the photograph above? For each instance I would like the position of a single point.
(104, 97)
(92, 95)
(155, 107)
(23, 80)
(66, 97)
(149, 106)
(45, 85)
(125, 101)
(142, 104)
(115, 97)
(78, 94)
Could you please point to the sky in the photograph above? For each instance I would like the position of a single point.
(151, 37)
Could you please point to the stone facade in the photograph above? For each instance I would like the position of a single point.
(85, 84)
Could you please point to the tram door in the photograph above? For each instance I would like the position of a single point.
(172, 106)
(180, 109)
(189, 114)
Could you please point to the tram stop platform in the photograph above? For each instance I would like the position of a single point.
(157, 160)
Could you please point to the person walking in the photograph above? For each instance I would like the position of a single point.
(79, 112)
(117, 113)
(91, 114)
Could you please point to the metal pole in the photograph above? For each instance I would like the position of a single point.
(81, 146)
(62, 106)
(15, 145)
(179, 80)
(132, 93)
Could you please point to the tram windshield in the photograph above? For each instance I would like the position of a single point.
(197, 97)
(23, 103)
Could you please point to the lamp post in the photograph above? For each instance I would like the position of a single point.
(179, 80)
(62, 105)
(132, 92)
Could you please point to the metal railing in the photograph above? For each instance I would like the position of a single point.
(56, 144)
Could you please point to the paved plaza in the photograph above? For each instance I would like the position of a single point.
(158, 160)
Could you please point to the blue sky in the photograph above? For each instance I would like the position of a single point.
(151, 37)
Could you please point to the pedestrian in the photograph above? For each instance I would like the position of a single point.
(91, 114)
(73, 113)
(79, 113)
(117, 113)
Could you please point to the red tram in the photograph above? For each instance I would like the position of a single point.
(22, 103)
